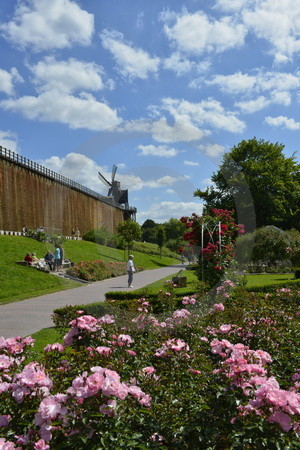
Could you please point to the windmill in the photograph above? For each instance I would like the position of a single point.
(119, 195)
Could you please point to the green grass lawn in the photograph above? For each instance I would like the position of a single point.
(20, 282)
(268, 278)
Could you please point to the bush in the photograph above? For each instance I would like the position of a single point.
(97, 270)
(41, 236)
(98, 235)
(297, 274)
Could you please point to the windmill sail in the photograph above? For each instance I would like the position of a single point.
(104, 180)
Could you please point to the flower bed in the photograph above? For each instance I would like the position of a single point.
(145, 381)
(97, 270)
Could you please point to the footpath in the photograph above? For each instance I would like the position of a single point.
(29, 316)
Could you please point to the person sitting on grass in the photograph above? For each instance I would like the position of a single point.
(37, 262)
(28, 259)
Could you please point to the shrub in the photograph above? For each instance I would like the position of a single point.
(297, 274)
(97, 270)
(97, 235)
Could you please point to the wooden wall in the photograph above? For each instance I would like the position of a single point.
(28, 198)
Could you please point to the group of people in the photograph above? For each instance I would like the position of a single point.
(52, 260)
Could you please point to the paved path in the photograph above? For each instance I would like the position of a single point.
(31, 315)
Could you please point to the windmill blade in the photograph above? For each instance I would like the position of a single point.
(104, 180)
(113, 173)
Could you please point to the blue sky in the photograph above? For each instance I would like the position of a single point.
(161, 88)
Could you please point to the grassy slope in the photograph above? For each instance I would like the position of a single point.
(20, 282)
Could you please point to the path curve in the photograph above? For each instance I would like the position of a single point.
(28, 316)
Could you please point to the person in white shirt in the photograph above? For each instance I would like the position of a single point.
(130, 269)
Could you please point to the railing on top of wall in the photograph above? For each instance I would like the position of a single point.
(25, 162)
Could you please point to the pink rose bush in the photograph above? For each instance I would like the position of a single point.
(133, 379)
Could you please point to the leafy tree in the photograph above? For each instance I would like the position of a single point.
(130, 231)
(259, 183)
(268, 244)
(149, 230)
(174, 228)
(149, 223)
(160, 237)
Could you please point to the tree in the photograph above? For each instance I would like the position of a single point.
(268, 244)
(149, 229)
(174, 228)
(160, 237)
(130, 231)
(259, 183)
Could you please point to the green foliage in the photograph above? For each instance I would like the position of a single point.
(130, 231)
(62, 316)
(257, 180)
(264, 245)
(160, 238)
(174, 229)
(98, 235)
(215, 235)
(97, 270)
(42, 236)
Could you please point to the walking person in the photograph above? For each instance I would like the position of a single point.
(130, 269)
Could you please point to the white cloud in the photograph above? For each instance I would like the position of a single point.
(196, 33)
(234, 84)
(163, 211)
(189, 121)
(281, 98)
(7, 80)
(276, 87)
(205, 113)
(213, 150)
(170, 191)
(238, 82)
(190, 163)
(132, 62)
(76, 112)
(182, 130)
(233, 5)
(45, 25)
(283, 121)
(252, 106)
(160, 150)
(278, 22)
(178, 64)
(67, 76)
(8, 140)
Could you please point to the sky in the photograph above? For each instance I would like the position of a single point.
(160, 88)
